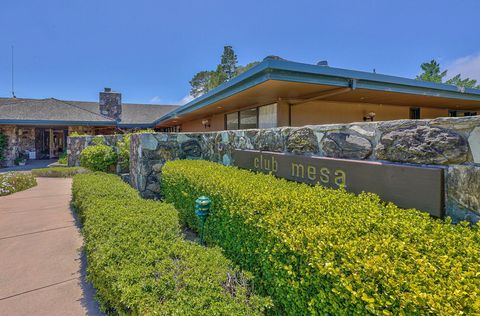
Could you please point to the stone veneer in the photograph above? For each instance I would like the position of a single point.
(452, 143)
(76, 144)
(19, 139)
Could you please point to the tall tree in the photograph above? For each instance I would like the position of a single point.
(207, 80)
(459, 82)
(432, 72)
(228, 63)
(242, 69)
(201, 83)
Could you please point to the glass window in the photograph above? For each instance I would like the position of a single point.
(415, 113)
(267, 116)
(231, 121)
(248, 119)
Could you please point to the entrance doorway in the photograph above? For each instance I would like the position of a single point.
(50, 142)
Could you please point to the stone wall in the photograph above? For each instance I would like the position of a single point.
(20, 139)
(76, 144)
(453, 143)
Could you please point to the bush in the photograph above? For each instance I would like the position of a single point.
(58, 172)
(98, 158)
(140, 264)
(63, 159)
(12, 182)
(321, 251)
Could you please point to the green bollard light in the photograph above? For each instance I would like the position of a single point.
(202, 210)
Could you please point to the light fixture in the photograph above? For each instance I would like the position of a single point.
(206, 123)
(369, 117)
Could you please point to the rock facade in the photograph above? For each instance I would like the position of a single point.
(76, 144)
(452, 143)
(19, 140)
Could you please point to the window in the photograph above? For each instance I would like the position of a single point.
(231, 121)
(267, 116)
(248, 118)
(415, 113)
(455, 113)
(261, 117)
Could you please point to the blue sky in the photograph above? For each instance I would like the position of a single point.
(149, 50)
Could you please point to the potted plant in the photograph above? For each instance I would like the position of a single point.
(20, 161)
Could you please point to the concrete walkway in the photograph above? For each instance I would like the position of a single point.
(31, 164)
(42, 269)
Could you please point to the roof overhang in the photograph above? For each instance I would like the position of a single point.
(56, 122)
(274, 80)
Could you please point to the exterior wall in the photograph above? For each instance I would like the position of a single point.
(324, 112)
(76, 144)
(451, 143)
(217, 123)
(20, 139)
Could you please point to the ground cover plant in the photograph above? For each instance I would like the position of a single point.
(140, 264)
(58, 172)
(11, 182)
(321, 251)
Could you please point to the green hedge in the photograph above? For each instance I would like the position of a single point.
(12, 182)
(98, 157)
(321, 251)
(140, 264)
(58, 172)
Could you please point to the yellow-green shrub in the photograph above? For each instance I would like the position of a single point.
(11, 182)
(140, 264)
(321, 251)
(58, 172)
(98, 157)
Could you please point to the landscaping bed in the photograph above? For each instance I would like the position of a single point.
(11, 182)
(321, 251)
(58, 172)
(139, 263)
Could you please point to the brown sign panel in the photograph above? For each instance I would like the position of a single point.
(405, 185)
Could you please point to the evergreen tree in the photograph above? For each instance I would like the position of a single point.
(432, 72)
(459, 82)
(207, 80)
(228, 63)
(201, 82)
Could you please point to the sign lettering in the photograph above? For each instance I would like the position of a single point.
(405, 185)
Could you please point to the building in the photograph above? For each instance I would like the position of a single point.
(38, 128)
(279, 93)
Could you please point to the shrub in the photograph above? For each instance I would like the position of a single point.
(98, 158)
(321, 251)
(140, 264)
(58, 172)
(12, 182)
(63, 159)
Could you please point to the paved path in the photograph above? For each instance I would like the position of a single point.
(31, 164)
(42, 269)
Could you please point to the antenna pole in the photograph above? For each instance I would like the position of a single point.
(13, 86)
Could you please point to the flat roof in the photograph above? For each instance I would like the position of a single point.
(329, 77)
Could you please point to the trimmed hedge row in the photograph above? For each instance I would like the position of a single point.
(58, 172)
(12, 182)
(140, 264)
(321, 251)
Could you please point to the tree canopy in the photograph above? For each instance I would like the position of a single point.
(228, 68)
(433, 73)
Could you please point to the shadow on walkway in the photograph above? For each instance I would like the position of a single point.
(88, 301)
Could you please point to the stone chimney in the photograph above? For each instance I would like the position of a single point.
(111, 104)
